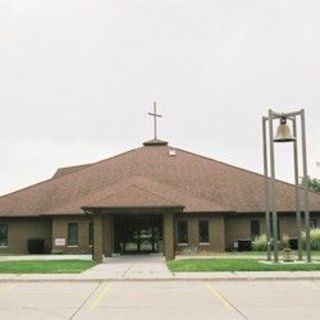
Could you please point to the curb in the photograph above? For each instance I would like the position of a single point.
(204, 279)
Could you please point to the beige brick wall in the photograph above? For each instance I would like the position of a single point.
(22, 229)
(169, 235)
(216, 232)
(239, 227)
(288, 225)
(60, 231)
(108, 235)
(193, 234)
(223, 231)
(99, 238)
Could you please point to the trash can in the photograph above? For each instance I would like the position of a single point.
(244, 245)
(35, 246)
(293, 243)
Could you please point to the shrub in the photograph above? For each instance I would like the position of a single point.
(260, 243)
(314, 238)
(285, 242)
(35, 246)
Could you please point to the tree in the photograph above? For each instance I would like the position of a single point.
(314, 184)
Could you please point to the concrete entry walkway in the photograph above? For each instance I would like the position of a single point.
(131, 267)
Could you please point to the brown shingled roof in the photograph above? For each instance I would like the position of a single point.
(140, 192)
(196, 180)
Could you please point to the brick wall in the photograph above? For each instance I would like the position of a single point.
(288, 225)
(238, 227)
(169, 235)
(223, 231)
(99, 238)
(60, 231)
(216, 232)
(22, 229)
(108, 235)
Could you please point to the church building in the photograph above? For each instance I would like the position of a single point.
(154, 199)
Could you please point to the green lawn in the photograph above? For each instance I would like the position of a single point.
(315, 254)
(231, 265)
(63, 266)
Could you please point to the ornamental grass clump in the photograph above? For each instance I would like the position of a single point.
(260, 243)
(285, 242)
(287, 255)
(314, 238)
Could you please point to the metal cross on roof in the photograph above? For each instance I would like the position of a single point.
(156, 116)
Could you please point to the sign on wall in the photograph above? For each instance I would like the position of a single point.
(60, 242)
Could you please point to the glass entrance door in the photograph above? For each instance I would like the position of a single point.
(138, 235)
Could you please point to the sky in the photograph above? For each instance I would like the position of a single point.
(78, 78)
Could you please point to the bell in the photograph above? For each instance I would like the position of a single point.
(284, 132)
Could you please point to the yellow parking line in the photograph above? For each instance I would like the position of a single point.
(223, 301)
(95, 303)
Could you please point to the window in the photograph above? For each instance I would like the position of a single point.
(73, 234)
(3, 235)
(90, 234)
(204, 231)
(182, 228)
(313, 223)
(255, 228)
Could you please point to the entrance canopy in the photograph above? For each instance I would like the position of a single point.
(133, 230)
(137, 215)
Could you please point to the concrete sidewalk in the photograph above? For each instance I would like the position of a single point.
(153, 268)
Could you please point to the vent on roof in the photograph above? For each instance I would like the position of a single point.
(172, 153)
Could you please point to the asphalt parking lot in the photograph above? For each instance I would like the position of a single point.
(161, 300)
